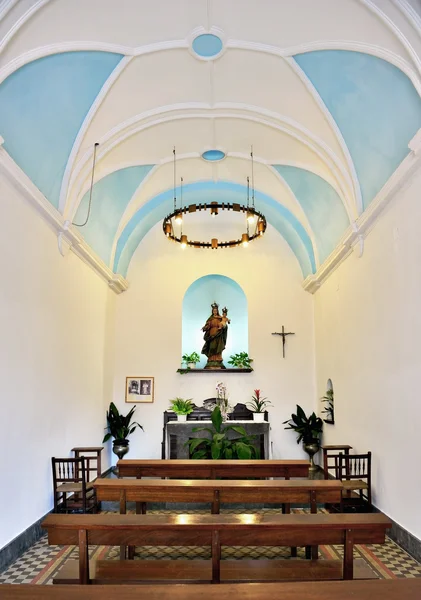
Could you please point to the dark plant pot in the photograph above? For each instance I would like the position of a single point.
(120, 448)
(312, 448)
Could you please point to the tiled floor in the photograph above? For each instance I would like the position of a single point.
(40, 563)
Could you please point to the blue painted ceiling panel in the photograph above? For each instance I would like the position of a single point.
(156, 209)
(375, 106)
(322, 205)
(110, 197)
(42, 106)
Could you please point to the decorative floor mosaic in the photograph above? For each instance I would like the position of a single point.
(41, 562)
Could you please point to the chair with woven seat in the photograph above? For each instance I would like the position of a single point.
(355, 472)
(72, 492)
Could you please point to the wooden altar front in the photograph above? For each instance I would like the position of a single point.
(177, 433)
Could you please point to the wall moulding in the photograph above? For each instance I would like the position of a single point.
(67, 237)
(353, 239)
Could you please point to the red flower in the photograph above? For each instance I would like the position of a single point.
(257, 392)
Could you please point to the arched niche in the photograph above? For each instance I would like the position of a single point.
(197, 308)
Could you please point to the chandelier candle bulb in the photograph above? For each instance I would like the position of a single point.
(167, 229)
(183, 241)
(214, 209)
(261, 227)
(250, 217)
(214, 243)
(245, 240)
(179, 218)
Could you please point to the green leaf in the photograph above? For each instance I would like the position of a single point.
(195, 443)
(216, 451)
(237, 429)
(216, 418)
(106, 438)
(243, 450)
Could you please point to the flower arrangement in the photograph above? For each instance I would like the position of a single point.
(222, 400)
(258, 404)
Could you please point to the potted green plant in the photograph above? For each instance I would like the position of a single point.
(240, 360)
(328, 409)
(218, 446)
(182, 407)
(191, 359)
(258, 405)
(120, 427)
(309, 430)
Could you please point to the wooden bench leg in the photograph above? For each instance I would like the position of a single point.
(314, 552)
(83, 557)
(348, 569)
(216, 503)
(123, 510)
(286, 510)
(216, 557)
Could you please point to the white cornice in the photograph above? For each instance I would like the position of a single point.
(410, 13)
(85, 126)
(66, 235)
(20, 22)
(6, 6)
(359, 230)
(396, 31)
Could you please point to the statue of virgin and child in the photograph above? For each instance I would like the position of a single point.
(216, 331)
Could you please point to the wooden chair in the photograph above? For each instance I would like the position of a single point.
(330, 459)
(72, 492)
(355, 473)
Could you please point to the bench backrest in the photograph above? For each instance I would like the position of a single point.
(210, 469)
(197, 530)
(184, 490)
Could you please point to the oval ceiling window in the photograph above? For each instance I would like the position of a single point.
(213, 155)
(207, 45)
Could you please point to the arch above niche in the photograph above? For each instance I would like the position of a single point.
(197, 308)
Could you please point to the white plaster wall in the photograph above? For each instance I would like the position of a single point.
(368, 331)
(53, 367)
(148, 333)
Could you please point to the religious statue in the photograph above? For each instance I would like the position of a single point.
(216, 330)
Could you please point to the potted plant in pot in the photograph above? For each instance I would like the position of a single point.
(329, 408)
(309, 430)
(218, 446)
(190, 360)
(258, 405)
(240, 360)
(120, 427)
(182, 407)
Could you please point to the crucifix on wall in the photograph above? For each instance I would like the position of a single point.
(283, 334)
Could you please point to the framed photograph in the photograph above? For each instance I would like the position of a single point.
(139, 389)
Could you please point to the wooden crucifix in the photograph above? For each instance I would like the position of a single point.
(283, 335)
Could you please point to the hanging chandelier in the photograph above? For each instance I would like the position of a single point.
(255, 221)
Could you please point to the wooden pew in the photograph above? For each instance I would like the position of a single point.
(383, 589)
(212, 469)
(216, 492)
(214, 531)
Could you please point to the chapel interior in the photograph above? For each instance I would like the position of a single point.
(226, 178)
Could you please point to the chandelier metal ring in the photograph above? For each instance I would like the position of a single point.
(214, 207)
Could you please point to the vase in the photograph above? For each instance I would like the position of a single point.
(312, 448)
(191, 365)
(182, 418)
(259, 417)
(120, 448)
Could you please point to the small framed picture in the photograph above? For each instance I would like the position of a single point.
(139, 389)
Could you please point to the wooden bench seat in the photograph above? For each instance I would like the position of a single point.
(216, 531)
(384, 589)
(217, 492)
(212, 469)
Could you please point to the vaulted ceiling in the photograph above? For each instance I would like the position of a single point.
(326, 91)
